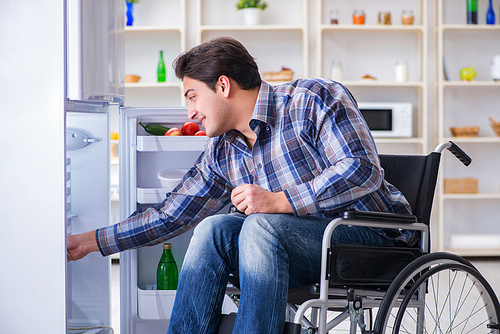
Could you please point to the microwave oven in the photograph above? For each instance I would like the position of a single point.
(388, 119)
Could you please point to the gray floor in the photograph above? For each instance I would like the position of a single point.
(489, 268)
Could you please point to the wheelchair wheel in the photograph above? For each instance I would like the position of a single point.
(439, 293)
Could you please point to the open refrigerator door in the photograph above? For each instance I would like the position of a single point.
(142, 156)
(87, 208)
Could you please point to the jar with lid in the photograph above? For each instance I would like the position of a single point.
(334, 16)
(407, 17)
(384, 18)
(358, 17)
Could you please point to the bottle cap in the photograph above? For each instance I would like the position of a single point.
(167, 246)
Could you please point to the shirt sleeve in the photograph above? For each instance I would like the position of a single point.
(201, 193)
(350, 161)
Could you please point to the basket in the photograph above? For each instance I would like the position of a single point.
(460, 186)
(132, 78)
(495, 126)
(466, 131)
(284, 75)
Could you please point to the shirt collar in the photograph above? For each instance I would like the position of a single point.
(264, 109)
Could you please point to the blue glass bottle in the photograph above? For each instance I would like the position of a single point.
(490, 15)
(130, 13)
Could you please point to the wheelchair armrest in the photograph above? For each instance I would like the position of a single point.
(379, 216)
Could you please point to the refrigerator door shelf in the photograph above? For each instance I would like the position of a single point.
(157, 304)
(151, 195)
(174, 143)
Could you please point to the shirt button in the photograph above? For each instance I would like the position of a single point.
(259, 165)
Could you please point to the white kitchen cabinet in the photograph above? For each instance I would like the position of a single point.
(158, 25)
(374, 49)
(280, 40)
(468, 224)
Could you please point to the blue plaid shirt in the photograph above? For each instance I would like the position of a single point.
(312, 144)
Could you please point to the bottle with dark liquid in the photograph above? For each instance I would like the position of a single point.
(471, 11)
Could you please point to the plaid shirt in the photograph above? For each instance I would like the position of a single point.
(312, 144)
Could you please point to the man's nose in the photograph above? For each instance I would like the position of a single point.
(192, 114)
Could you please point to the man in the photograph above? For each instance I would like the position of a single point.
(289, 159)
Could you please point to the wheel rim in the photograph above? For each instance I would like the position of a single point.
(457, 300)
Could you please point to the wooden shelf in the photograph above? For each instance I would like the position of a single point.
(152, 29)
(373, 27)
(260, 27)
(470, 27)
(153, 85)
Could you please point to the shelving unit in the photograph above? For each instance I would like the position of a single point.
(143, 41)
(273, 43)
(468, 223)
(348, 43)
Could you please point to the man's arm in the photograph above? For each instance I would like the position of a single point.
(80, 245)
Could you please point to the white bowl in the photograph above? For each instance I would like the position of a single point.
(169, 178)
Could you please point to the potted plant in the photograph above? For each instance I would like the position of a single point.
(251, 10)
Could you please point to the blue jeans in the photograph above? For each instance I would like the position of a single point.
(270, 253)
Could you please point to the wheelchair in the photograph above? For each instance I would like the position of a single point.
(409, 289)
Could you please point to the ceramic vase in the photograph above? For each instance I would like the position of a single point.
(251, 16)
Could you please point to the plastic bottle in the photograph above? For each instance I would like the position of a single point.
(167, 274)
(471, 11)
(162, 75)
(490, 14)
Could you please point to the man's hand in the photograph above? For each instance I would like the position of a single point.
(79, 245)
(249, 198)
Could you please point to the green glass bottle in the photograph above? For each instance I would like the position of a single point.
(471, 11)
(167, 274)
(162, 74)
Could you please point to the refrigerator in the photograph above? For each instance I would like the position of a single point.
(62, 72)
(95, 85)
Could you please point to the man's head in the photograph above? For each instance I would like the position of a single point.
(221, 56)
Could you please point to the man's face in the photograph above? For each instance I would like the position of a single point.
(208, 107)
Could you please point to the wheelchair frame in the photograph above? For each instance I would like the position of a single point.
(399, 295)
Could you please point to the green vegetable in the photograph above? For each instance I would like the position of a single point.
(155, 129)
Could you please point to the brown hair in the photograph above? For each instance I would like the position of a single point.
(220, 56)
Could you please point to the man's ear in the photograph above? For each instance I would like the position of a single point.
(224, 85)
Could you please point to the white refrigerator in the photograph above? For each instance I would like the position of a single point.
(62, 71)
(95, 84)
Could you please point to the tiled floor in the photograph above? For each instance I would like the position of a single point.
(489, 268)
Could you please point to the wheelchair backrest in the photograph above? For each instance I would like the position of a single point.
(415, 176)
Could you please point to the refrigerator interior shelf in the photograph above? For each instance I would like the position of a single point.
(151, 195)
(174, 143)
(158, 304)
(155, 304)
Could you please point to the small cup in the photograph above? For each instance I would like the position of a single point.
(336, 71)
(401, 71)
